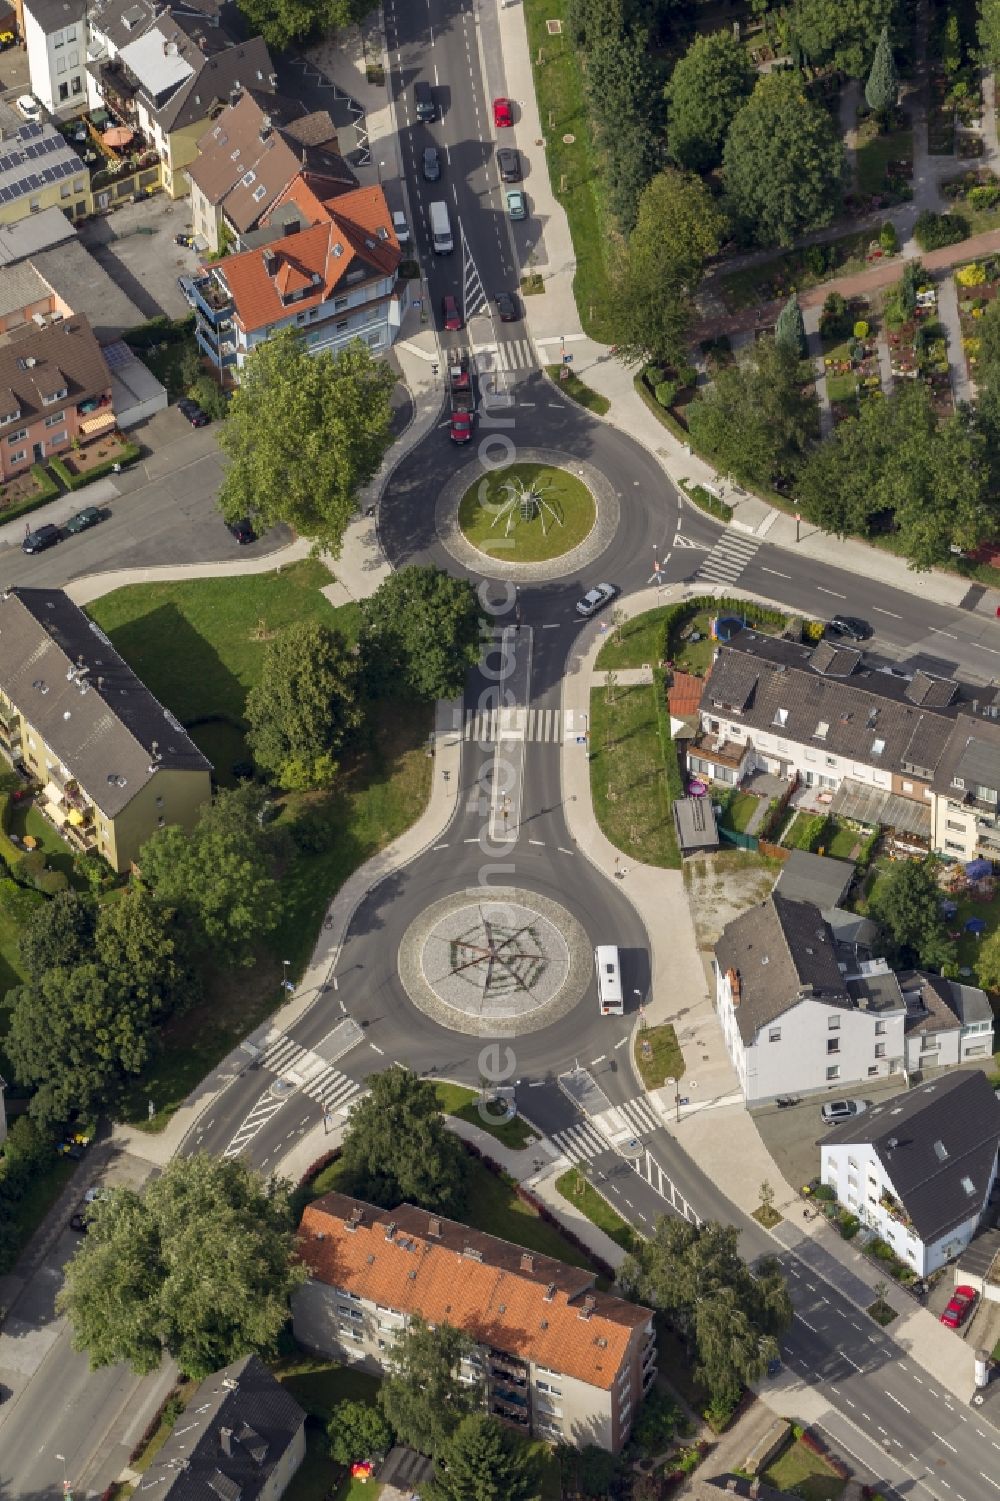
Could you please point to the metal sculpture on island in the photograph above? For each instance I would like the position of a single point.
(526, 502)
(498, 958)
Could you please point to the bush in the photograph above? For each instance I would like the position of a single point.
(18, 902)
(825, 1192)
(888, 238)
(934, 231)
(987, 195)
(127, 454)
(159, 330)
(973, 275)
(29, 867)
(50, 881)
(665, 392)
(881, 1249)
(861, 329)
(209, 396)
(849, 1226)
(834, 321)
(687, 377)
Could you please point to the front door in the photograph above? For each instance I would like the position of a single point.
(38, 449)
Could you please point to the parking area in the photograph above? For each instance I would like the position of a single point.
(792, 1135)
(136, 247)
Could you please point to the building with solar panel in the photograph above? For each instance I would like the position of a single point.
(38, 170)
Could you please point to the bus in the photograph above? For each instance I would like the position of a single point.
(609, 980)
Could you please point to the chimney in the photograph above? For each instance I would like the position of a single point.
(390, 1230)
(434, 1227)
(270, 262)
(550, 1292)
(226, 1442)
(589, 1304)
(527, 1262)
(357, 1215)
(234, 96)
(733, 976)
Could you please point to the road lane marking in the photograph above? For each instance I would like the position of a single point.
(376, 1049)
(821, 590)
(621, 1042)
(852, 1362)
(877, 609)
(946, 1444)
(992, 1482)
(775, 574)
(595, 1061)
(897, 1401)
(811, 1327)
(951, 637)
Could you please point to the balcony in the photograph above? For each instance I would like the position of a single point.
(502, 1362)
(511, 1412)
(208, 298)
(895, 1210)
(648, 1377)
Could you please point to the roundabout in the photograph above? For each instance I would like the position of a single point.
(529, 513)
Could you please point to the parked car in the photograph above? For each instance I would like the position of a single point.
(851, 627)
(503, 116)
(507, 307)
(43, 537)
(242, 530)
(450, 313)
(842, 1110)
(595, 599)
(963, 1301)
(193, 412)
(516, 206)
(83, 520)
(28, 107)
(432, 164)
(460, 429)
(401, 227)
(509, 162)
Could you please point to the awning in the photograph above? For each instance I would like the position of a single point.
(99, 423)
(875, 805)
(52, 793)
(75, 817)
(57, 815)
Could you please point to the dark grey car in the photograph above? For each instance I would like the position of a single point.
(509, 162)
(432, 164)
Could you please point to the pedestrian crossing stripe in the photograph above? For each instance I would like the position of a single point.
(544, 726)
(510, 354)
(585, 1139)
(306, 1069)
(641, 1115)
(728, 558)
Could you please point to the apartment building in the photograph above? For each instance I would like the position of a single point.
(55, 35)
(919, 1169)
(328, 269)
(39, 170)
(114, 764)
(967, 790)
(558, 1358)
(54, 387)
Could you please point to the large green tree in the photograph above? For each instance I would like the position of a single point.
(201, 1265)
(217, 877)
(756, 419)
(304, 433)
(783, 161)
(988, 962)
(424, 1396)
(283, 22)
(135, 942)
(678, 228)
(358, 1431)
(842, 32)
(988, 30)
(305, 704)
(882, 87)
(729, 1318)
(421, 632)
(707, 89)
(397, 1147)
(58, 933)
(907, 902)
(790, 329)
(626, 105)
(481, 1461)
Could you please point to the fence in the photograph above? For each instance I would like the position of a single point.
(741, 841)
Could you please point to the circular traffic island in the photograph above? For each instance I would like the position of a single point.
(527, 513)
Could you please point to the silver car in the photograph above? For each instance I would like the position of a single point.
(595, 599)
(842, 1110)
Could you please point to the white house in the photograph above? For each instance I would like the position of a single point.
(946, 1023)
(920, 1168)
(55, 35)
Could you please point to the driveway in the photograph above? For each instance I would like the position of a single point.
(145, 264)
(792, 1135)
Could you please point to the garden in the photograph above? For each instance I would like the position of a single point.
(976, 284)
(976, 194)
(849, 340)
(797, 270)
(527, 513)
(805, 1469)
(955, 101)
(884, 165)
(918, 341)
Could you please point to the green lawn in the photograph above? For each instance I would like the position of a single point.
(738, 810)
(549, 534)
(628, 780)
(658, 1055)
(875, 154)
(708, 503)
(639, 640)
(318, 1384)
(844, 841)
(804, 1474)
(25, 819)
(576, 1190)
(571, 385)
(456, 1100)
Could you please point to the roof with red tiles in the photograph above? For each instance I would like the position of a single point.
(684, 694)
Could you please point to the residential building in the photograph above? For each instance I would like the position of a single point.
(167, 72)
(48, 275)
(54, 387)
(871, 737)
(114, 764)
(250, 155)
(966, 789)
(946, 1022)
(39, 170)
(333, 277)
(242, 1437)
(919, 1169)
(558, 1358)
(55, 34)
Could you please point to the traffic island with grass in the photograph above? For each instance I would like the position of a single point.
(527, 513)
(578, 1191)
(658, 1055)
(571, 385)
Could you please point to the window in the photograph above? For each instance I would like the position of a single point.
(880, 1029)
(833, 1045)
(55, 419)
(907, 786)
(55, 396)
(78, 85)
(833, 1072)
(161, 822)
(58, 40)
(57, 438)
(258, 193)
(831, 760)
(63, 92)
(955, 826)
(17, 437)
(77, 184)
(873, 1071)
(18, 458)
(774, 1035)
(833, 1024)
(71, 33)
(952, 844)
(60, 65)
(74, 59)
(880, 1050)
(64, 191)
(34, 204)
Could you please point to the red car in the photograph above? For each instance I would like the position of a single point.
(961, 1305)
(502, 116)
(449, 311)
(460, 430)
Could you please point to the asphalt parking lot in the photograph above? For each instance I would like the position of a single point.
(145, 265)
(792, 1135)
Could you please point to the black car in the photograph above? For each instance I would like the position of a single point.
(83, 520)
(432, 164)
(37, 541)
(242, 530)
(509, 162)
(193, 412)
(507, 307)
(851, 627)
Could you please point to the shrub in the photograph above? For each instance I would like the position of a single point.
(834, 321)
(825, 1192)
(29, 867)
(973, 275)
(687, 377)
(882, 1250)
(861, 329)
(209, 396)
(888, 238)
(933, 231)
(655, 375)
(849, 1226)
(986, 195)
(665, 392)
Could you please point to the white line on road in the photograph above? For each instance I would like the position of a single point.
(848, 1401)
(897, 1401)
(879, 611)
(440, 846)
(775, 574)
(540, 842)
(918, 1380)
(946, 1444)
(852, 1362)
(595, 1061)
(550, 625)
(811, 1327)
(563, 851)
(621, 1042)
(376, 1049)
(821, 590)
(992, 1482)
(951, 637)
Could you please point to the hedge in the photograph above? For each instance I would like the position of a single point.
(679, 613)
(675, 783)
(159, 330)
(125, 455)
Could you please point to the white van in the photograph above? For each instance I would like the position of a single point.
(401, 227)
(609, 980)
(441, 229)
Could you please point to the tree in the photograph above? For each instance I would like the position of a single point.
(397, 1147)
(728, 1317)
(282, 22)
(627, 109)
(358, 1431)
(882, 87)
(783, 161)
(217, 877)
(135, 944)
(304, 433)
(988, 962)
(424, 1397)
(482, 1462)
(707, 89)
(988, 31)
(201, 1265)
(677, 229)
(305, 704)
(421, 632)
(756, 419)
(842, 32)
(59, 933)
(790, 329)
(907, 902)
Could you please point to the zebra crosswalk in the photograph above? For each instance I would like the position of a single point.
(641, 1115)
(510, 354)
(580, 1142)
(543, 726)
(586, 1139)
(311, 1073)
(728, 558)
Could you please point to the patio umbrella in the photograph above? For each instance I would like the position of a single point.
(949, 908)
(975, 925)
(977, 870)
(118, 136)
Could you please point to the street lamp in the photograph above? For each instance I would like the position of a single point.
(284, 973)
(65, 1480)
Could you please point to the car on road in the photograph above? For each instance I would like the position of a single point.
(503, 115)
(842, 1110)
(423, 99)
(460, 427)
(431, 164)
(851, 627)
(516, 206)
(83, 520)
(509, 162)
(507, 307)
(595, 599)
(450, 313)
(193, 412)
(401, 227)
(242, 530)
(43, 537)
(28, 107)
(963, 1301)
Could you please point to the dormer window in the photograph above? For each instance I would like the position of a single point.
(780, 717)
(958, 782)
(878, 746)
(821, 731)
(10, 416)
(59, 395)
